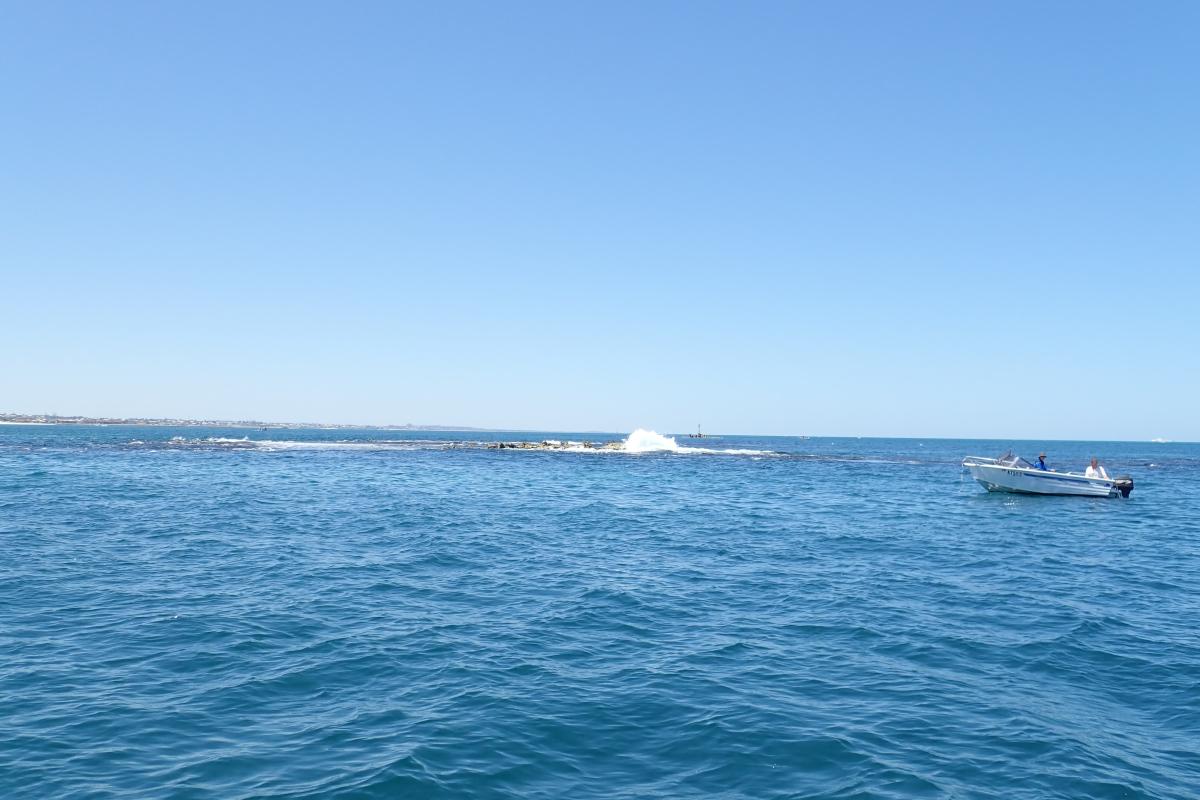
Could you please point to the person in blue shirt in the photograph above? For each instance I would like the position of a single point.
(1041, 462)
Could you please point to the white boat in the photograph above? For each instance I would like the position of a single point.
(1011, 473)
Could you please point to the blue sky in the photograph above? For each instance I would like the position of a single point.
(832, 218)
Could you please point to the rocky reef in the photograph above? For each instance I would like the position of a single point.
(556, 444)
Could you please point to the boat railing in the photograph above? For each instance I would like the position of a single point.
(979, 461)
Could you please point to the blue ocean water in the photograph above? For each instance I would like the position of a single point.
(368, 614)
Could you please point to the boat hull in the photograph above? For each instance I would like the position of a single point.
(997, 478)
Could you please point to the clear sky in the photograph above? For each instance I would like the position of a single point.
(843, 218)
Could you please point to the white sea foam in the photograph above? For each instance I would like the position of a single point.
(646, 441)
(276, 444)
(273, 445)
(246, 443)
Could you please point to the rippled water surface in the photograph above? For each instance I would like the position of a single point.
(382, 614)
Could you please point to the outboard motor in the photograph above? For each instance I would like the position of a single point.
(1123, 484)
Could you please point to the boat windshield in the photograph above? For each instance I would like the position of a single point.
(1010, 460)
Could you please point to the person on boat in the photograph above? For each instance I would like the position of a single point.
(1041, 462)
(1094, 470)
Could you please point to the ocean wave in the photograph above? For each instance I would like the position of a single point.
(647, 441)
(643, 440)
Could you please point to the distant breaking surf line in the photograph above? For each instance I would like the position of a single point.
(641, 441)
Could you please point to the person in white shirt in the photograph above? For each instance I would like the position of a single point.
(1095, 470)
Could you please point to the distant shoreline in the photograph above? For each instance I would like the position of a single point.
(150, 422)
